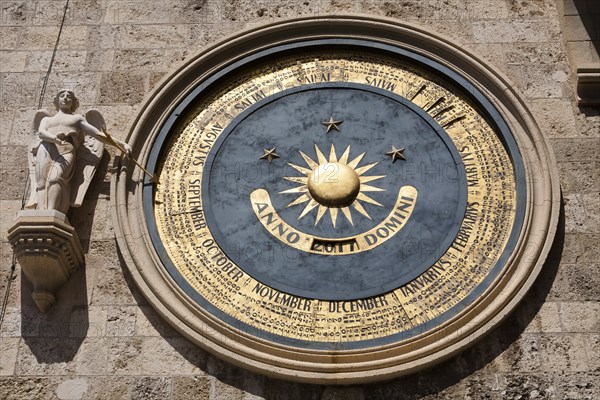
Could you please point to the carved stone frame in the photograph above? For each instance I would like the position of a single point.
(353, 366)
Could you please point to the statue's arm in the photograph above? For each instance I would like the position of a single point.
(91, 130)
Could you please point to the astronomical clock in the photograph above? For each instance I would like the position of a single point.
(336, 200)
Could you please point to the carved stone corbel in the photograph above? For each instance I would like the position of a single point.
(48, 250)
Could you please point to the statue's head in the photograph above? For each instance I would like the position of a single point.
(74, 99)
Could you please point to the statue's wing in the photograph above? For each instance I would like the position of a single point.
(93, 117)
(88, 156)
(31, 155)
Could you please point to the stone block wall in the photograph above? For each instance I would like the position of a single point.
(103, 341)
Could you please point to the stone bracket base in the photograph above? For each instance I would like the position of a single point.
(48, 250)
(588, 85)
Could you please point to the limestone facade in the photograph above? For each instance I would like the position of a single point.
(103, 340)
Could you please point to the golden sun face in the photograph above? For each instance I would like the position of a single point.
(333, 184)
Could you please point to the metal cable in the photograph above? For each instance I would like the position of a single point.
(13, 267)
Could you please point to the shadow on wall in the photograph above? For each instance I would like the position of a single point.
(589, 12)
(423, 384)
(56, 336)
(82, 218)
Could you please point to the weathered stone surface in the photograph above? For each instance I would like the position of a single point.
(13, 61)
(580, 177)
(545, 80)
(12, 177)
(555, 117)
(592, 348)
(509, 31)
(44, 37)
(6, 259)
(65, 60)
(191, 387)
(223, 391)
(17, 388)
(149, 323)
(91, 357)
(535, 54)
(137, 12)
(581, 213)
(8, 349)
(579, 386)
(150, 388)
(580, 316)
(108, 388)
(153, 356)
(578, 282)
(121, 321)
(22, 133)
(576, 149)
(140, 60)
(8, 212)
(6, 119)
(345, 393)
(538, 386)
(20, 89)
(8, 37)
(588, 119)
(547, 319)
(122, 87)
(153, 36)
(523, 355)
(563, 353)
(85, 84)
(581, 248)
(200, 36)
(99, 60)
(72, 389)
(276, 389)
(103, 37)
(47, 355)
(109, 286)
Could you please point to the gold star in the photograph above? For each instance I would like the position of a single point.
(332, 124)
(269, 155)
(396, 154)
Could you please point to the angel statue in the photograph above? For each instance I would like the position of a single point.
(65, 154)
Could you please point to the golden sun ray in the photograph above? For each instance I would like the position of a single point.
(300, 169)
(320, 157)
(309, 161)
(333, 212)
(299, 189)
(364, 169)
(311, 204)
(302, 199)
(344, 158)
(320, 212)
(354, 163)
(369, 188)
(331, 195)
(367, 199)
(360, 209)
(298, 179)
(346, 212)
(365, 179)
(332, 156)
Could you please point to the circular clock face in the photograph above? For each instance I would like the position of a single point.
(336, 197)
(333, 209)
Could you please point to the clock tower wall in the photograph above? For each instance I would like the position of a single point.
(106, 338)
